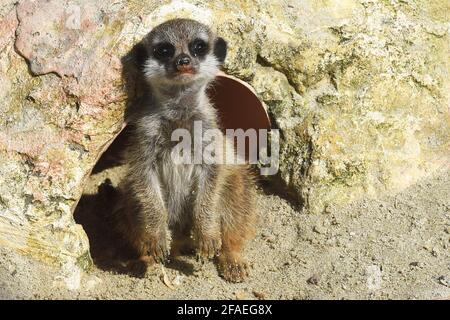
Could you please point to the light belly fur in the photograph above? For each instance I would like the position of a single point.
(177, 189)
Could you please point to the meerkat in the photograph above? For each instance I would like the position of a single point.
(167, 208)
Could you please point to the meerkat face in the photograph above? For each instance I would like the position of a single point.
(182, 51)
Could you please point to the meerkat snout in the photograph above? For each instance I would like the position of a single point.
(182, 51)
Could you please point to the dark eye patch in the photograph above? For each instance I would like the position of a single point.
(198, 48)
(163, 51)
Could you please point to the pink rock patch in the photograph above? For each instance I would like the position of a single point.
(8, 25)
(61, 37)
(52, 35)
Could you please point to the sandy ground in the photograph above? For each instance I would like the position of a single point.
(395, 247)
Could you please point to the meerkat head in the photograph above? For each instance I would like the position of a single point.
(182, 52)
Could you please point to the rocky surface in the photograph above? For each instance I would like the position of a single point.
(359, 90)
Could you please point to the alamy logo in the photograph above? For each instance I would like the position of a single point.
(236, 147)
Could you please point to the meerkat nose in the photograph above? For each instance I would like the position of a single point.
(183, 60)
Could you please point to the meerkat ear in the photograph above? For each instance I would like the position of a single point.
(220, 49)
(140, 55)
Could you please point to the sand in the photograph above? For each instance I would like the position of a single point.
(393, 247)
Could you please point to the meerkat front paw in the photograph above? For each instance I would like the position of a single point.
(158, 248)
(208, 247)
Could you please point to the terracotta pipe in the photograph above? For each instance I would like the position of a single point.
(239, 108)
(238, 104)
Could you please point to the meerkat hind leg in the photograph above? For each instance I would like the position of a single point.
(237, 225)
(147, 246)
(230, 263)
(144, 258)
(138, 267)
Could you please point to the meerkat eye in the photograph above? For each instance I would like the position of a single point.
(164, 51)
(199, 48)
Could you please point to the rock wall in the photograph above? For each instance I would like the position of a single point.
(359, 90)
